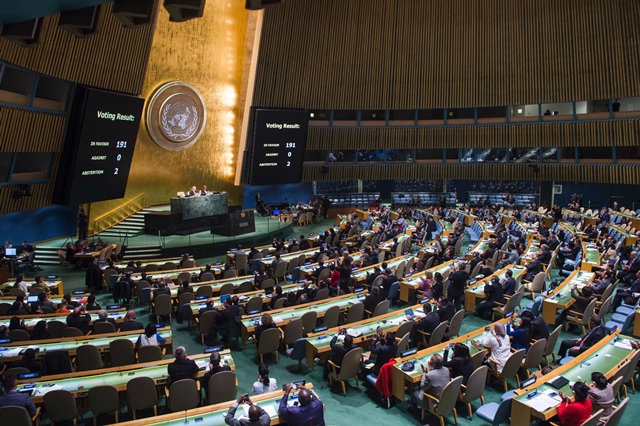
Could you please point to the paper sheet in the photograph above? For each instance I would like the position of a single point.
(42, 390)
(623, 344)
(540, 402)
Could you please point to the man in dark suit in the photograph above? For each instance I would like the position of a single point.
(630, 270)
(427, 324)
(162, 289)
(182, 367)
(79, 319)
(104, 317)
(93, 276)
(207, 307)
(623, 293)
(372, 300)
(431, 228)
(445, 310)
(309, 412)
(14, 398)
(494, 295)
(577, 346)
(304, 243)
(192, 192)
(509, 285)
(257, 415)
(458, 281)
(130, 322)
(338, 352)
(533, 268)
(389, 279)
(383, 349)
(545, 254)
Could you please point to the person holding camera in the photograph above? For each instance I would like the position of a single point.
(310, 411)
(257, 415)
(338, 351)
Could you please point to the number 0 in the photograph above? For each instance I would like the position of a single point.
(119, 157)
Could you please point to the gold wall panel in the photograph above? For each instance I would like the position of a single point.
(582, 133)
(207, 53)
(397, 54)
(546, 172)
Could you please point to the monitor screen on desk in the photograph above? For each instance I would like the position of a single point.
(10, 252)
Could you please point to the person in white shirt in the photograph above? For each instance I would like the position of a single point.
(498, 342)
(150, 337)
(264, 383)
(21, 284)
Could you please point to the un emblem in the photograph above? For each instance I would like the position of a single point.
(176, 116)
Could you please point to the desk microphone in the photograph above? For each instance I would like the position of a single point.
(587, 363)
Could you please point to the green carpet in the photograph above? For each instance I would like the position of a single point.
(356, 407)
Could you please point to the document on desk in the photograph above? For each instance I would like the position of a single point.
(269, 409)
(540, 402)
(623, 344)
(44, 390)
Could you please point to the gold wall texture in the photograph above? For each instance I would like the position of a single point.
(207, 53)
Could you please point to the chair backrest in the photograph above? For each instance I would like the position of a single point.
(393, 290)
(182, 276)
(299, 351)
(60, 405)
(406, 327)
(88, 358)
(377, 281)
(350, 364)
(513, 364)
(324, 274)
(449, 396)
(207, 276)
(552, 340)
(456, 323)
(183, 395)
(321, 294)
(402, 344)
(331, 317)
(168, 266)
(163, 304)
(72, 332)
(230, 273)
(269, 341)
(104, 399)
(438, 334)
(382, 308)
(103, 328)
(245, 287)
(631, 371)
(15, 416)
(16, 292)
(588, 312)
(616, 384)
(269, 282)
(149, 353)
(309, 320)
(141, 393)
(122, 353)
(538, 282)
(19, 335)
(185, 298)
(355, 313)
(503, 414)
(399, 272)
(207, 320)
(205, 290)
(535, 354)
(151, 267)
(616, 416)
(222, 387)
(476, 384)
(56, 328)
(604, 308)
(293, 263)
(4, 308)
(293, 331)
(227, 288)
(281, 269)
(594, 419)
(16, 371)
(254, 304)
(279, 303)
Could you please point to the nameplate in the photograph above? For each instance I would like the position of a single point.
(241, 224)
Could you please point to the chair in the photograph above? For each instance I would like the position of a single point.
(349, 368)
(189, 264)
(279, 303)
(245, 287)
(206, 323)
(103, 400)
(534, 356)
(19, 335)
(56, 328)
(227, 288)
(230, 273)
(63, 260)
(122, 353)
(141, 394)
(61, 405)
(207, 276)
(298, 352)
(204, 290)
(355, 313)
(551, 344)
(435, 338)
(103, 328)
(510, 306)
(222, 387)
(16, 292)
(495, 413)
(456, 324)
(88, 357)
(446, 403)
(169, 266)
(19, 416)
(280, 272)
(309, 320)
(149, 353)
(183, 395)
(331, 317)
(381, 308)
(162, 306)
(629, 375)
(536, 285)
(403, 344)
(292, 332)
(72, 332)
(254, 304)
(393, 291)
(594, 419)
(269, 282)
(510, 368)
(184, 276)
(604, 308)
(322, 294)
(474, 388)
(16, 371)
(269, 342)
(151, 267)
(616, 416)
(4, 308)
(581, 319)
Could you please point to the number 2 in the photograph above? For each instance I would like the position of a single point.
(288, 163)
(116, 171)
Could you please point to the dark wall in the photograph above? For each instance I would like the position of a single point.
(39, 225)
(600, 194)
(277, 193)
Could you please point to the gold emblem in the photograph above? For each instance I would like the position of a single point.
(176, 116)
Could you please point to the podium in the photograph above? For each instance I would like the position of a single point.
(235, 223)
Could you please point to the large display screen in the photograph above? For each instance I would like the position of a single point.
(101, 137)
(276, 147)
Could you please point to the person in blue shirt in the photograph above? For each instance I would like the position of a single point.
(14, 398)
(521, 334)
(310, 411)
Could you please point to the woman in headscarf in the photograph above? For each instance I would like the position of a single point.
(495, 338)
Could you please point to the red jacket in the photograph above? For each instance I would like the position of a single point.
(575, 413)
(383, 384)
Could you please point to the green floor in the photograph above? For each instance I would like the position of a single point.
(356, 407)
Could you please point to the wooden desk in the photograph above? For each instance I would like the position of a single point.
(410, 284)
(79, 383)
(532, 247)
(629, 240)
(480, 247)
(213, 415)
(560, 297)
(577, 369)
(71, 344)
(55, 286)
(476, 291)
(265, 263)
(173, 274)
(215, 285)
(282, 316)
(590, 257)
(361, 274)
(318, 344)
(159, 262)
(31, 320)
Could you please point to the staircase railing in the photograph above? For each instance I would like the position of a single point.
(119, 214)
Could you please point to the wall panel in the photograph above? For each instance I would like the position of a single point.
(396, 54)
